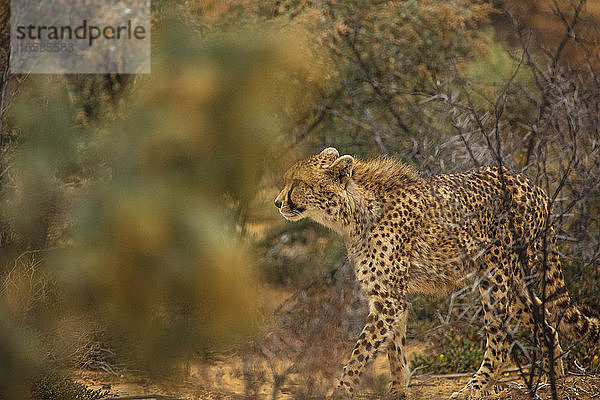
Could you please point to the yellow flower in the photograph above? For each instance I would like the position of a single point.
(442, 357)
(595, 360)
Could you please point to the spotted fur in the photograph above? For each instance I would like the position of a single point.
(408, 234)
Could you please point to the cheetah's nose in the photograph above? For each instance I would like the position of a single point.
(277, 203)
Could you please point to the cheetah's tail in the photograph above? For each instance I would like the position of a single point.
(581, 323)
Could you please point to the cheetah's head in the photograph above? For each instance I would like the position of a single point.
(316, 187)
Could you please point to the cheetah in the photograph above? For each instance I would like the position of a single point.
(410, 234)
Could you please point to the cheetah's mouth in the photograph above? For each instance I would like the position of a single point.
(292, 214)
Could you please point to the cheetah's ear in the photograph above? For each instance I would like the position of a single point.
(330, 154)
(342, 168)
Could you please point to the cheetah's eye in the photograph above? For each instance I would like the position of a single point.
(302, 186)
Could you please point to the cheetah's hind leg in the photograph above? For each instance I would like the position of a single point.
(495, 300)
(397, 359)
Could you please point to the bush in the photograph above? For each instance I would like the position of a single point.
(456, 353)
(582, 282)
(149, 202)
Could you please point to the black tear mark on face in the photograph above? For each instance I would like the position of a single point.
(290, 203)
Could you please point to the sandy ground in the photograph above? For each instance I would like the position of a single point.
(422, 388)
(225, 380)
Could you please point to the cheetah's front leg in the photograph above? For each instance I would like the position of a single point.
(375, 334)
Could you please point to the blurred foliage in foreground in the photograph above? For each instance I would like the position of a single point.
(129, 226)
